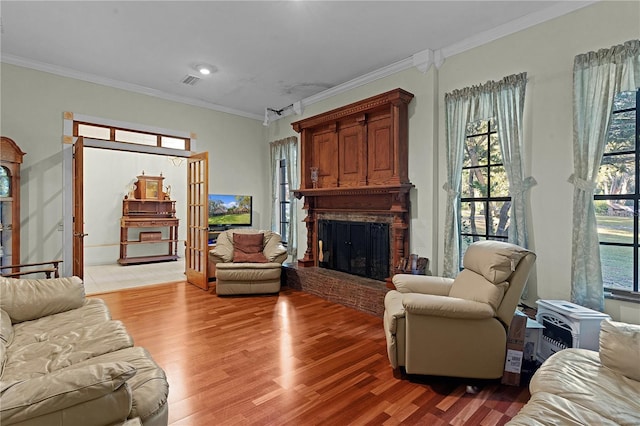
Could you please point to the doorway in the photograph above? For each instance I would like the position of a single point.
(108, 175)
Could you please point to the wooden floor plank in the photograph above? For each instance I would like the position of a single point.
(289, 359)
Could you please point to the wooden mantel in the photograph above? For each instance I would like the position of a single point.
(361, 155)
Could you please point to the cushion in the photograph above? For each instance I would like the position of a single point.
(248, 248)
(494, 260)
(27, 299)
(26, 399)
(471, 286)
(620, 347)
(6, 329)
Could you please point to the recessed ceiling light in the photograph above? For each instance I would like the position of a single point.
(205, 69)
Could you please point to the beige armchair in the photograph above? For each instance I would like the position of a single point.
(457, 327)
(248, 261)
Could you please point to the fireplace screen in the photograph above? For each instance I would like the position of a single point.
(359, 248)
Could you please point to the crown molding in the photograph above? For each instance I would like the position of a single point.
(421, 60)
(512, 27)
(66, 72)
(424, 59)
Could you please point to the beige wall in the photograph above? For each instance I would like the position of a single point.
(546, 53)
(33, 103)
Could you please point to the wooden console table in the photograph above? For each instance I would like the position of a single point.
(145, 214)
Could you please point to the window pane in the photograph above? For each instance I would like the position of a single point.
(175, 143)
(95, 132)
(499, 183)
(477, 127)
(624, 100)
(617, 267)
(475, 152)
(615, 221)
(622, 132)
(474, 183)
(500, 217)
(473, 218)
(286, 194)
(496, 152)
(616, 175)
(135, 137)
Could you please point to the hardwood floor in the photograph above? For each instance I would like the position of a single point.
(290, 359)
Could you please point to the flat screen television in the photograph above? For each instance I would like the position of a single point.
(226, 211)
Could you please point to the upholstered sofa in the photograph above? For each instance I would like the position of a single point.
(66, 362)
(583, 387)
(248, 261)
(457, 327)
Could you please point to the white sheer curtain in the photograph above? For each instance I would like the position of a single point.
(287, 150)
(508, 108)
(597, 78)
(505, 101)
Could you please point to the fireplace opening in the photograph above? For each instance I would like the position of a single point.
(359, 248)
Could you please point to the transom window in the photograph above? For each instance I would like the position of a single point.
(115, 134)
(485, 202)
(616, 197)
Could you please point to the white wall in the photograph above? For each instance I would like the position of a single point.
(33, 104)
(104, 191)
(546, 53)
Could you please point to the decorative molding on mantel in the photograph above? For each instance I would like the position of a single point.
(393, 96)
(363, 190)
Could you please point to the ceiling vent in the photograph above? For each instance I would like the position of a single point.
(191, 80)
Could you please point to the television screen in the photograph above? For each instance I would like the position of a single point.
(229, 210)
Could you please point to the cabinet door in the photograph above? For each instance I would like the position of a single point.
(380, 152)
(350, 148)
(325, 157)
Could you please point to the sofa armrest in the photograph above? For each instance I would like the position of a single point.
(444, 306)
(25, 399)
(425, 284)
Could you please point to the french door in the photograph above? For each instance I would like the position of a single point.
(78, 207)
(197, 242)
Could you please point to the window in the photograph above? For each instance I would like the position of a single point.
(485, 203)
(110, 133)
(283, 200)
(616, 197)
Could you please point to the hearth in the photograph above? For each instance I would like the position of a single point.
(359, 248)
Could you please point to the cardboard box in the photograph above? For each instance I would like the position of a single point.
(515, 351)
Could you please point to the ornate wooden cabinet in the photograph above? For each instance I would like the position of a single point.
(143, 222)
(360, 153)
(11, 158)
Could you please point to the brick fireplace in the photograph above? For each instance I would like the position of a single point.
(354, 169)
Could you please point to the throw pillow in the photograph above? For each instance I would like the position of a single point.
(619, 347)
(247, 248)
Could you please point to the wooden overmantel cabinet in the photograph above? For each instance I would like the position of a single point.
(361, 144)
(361, 155)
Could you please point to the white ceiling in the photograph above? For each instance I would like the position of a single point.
(269, 54)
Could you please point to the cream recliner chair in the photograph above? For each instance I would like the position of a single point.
(247, 263)
(457, 327)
